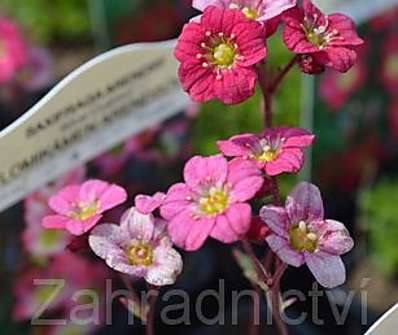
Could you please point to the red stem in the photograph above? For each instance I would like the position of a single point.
(268, 90)
(273, 87)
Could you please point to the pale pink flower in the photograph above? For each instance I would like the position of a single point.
(275, 150)
(324, 40)
(212, 202)
(80, 207)
(218, 56)
(300, 234)
(139, 247)
(37, 241)
(260, 10)
(13, 53)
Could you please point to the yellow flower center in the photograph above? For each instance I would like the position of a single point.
(267, 153)
(140, 253)
(267, 156)
(223, 54)
(215, 202)
(250, 13)
(302, 239)
(319, 34)
(85, 211)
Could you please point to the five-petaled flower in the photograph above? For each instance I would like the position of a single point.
(218, 56)
(321, 40)
(300, 234)
(275, 150)
(139, 247)
(212, 201)
(80, 207)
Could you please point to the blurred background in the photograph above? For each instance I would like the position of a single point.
(354, 161)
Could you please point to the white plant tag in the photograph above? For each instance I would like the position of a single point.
(103, 102)
(387, 324)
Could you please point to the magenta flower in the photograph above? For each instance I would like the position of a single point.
(260, 10)
(218, 55)
(324, 40)
(211, 202)
(275, 150)
(300, 234)
(139, 247)
(13, 53)
(80, 207)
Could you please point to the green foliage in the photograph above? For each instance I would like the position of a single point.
(380, 212)
(48, 20)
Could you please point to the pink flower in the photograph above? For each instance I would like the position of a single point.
(37, 241)
(389, 67)
(13, 54)
(328, 40)
(80, 207)
(218, 55)
(300, 234)
(211, 202)
(260, 10)
(139, 247)
(275, 150)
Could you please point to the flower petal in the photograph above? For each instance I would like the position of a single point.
(176, 200)
(92, 190)
(147, 204)
(78, 227)
(189, 233)
(276, 219)
(55, 221)
(239, 217)
(61, 202)
(168, 266)
(235, 85)
(304, 202)
(223, 231)
(328, 270)
(281, 247)
(335, 238)
(112, 196)
(106, 238)
(202, 171)
(245, 178)
(137, 225)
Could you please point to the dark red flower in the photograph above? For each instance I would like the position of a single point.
(329, 39)
(218, 56)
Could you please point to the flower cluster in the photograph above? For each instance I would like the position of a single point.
(221, 49)
(222, 54)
